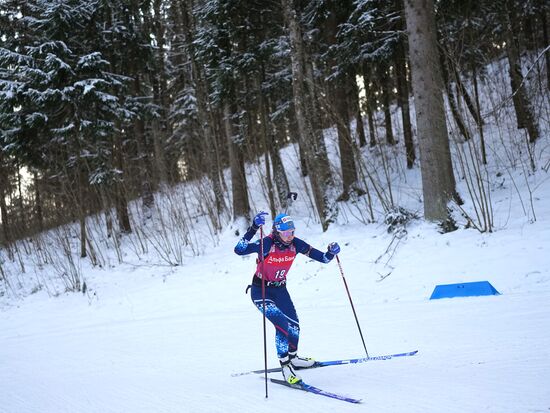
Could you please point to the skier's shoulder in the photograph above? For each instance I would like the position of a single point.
(300, 245)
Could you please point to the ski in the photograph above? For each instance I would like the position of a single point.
(334, 363)
(363, 360)
(311, 389)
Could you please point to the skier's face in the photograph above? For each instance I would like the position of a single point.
(286, 236)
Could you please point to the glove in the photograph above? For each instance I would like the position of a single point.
(334, 248)
(259, 219)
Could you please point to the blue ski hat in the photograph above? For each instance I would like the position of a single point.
(283, 222)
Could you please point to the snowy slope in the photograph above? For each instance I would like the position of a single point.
(168, 340)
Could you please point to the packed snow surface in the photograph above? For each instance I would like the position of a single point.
(167, 339)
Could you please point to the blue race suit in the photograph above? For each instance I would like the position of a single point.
(278, 259)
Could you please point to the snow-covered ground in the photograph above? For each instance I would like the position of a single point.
(154, 338)
(168, 339)
(165, 339)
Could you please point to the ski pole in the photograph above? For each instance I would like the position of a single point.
(263, 304)
(351, 302)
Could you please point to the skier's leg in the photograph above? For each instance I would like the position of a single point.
(287, 307)
(286, 326)
(285, 304)
(275, 316)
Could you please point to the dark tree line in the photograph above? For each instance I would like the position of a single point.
(104, 102)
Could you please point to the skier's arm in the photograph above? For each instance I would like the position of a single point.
(245, 247)
(306, 249)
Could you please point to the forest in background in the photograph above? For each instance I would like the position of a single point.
(103, 103)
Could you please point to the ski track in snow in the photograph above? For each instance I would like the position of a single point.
(476, 354)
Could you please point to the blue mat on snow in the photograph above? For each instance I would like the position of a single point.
(464, 290)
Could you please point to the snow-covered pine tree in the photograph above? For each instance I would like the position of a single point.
(62, 109)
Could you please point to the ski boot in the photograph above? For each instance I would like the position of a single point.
(288, 372)
(300, 362)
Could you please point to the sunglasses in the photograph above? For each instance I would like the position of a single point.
(286, 234)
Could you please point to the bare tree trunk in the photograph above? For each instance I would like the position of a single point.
(82, 182)
(524, 114)
(123, 216)
(106, 210)
(161, 128)
(3, 206)
(359, 126)
(341, 89)
(145, 166)
(209, 144)
(220, 152)
(546, 39)
(293, 131)
(465, 95)
(5, 217)
(479, 121)
(372, 129)
(279, 173)
(82, 222)
(121, 203)
(241, 206)
(314, 151)
(385, 83)
(368, 104)
(403, 101)
(38, 211)
(438, 182)
(276, 137)
(315, 117)
(452, 97)
(211, 150)
(345, 142)
(159, 134)
(264, 131)
(20, 198)
(354, 108)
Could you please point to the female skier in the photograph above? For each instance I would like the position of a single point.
(279, 250)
